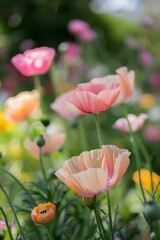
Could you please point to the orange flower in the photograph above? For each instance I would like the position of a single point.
(21, 106)
(44, 213)
(146, 179)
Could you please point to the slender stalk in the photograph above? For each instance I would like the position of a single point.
(14, 213)
(19, 183)
(42, 166)
(99, 132)
(50, 236)
(6, 221)
(82, 134)
(38, 87)
(136, 152)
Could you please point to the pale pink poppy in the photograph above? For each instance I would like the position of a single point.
(145, 58)
(94, 98)
(136, 123)
(64, 108)
(95, 171)
(3, 225)
(54, 138)
(34, 61)
(22, 106)
(82, 30)
(126, 81)
(152, 133)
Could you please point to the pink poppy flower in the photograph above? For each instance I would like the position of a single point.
(152, 133)
(82, 30)
(64, 108)
(136, 123)
(95, 171)
(124, 78)
(145, 59)
(54, 138)
(22, 106)
(94, 98)
(34, 61)
(3, 225)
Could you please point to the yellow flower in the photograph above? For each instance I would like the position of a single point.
(146, 179)
(147, 101)
(44, 213)
(4, 124)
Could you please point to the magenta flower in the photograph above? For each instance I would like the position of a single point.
(82, 30)
(95, 171)
(34, 61)
(94, 98)
(152, 133)
(145, 59)
(136, 123)
(64, 108)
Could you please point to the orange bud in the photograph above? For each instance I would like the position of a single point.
(44, 213)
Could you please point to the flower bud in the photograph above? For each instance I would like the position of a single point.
(88, 201)
(40, 141)
(45, 121)
(152, 211)
(44, 213)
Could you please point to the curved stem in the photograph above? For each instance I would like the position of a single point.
(99, 131)
(50, 236)
(82, 134)
(20, 184)
(6, 221)
(42, 166)
(110, 215)
(14, 213)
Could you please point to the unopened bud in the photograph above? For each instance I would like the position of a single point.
(152, 211)
(88, 201)
(40, 141)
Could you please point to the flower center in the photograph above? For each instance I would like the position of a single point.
(43, 211)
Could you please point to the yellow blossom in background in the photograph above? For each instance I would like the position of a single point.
(147, 101)
(146, 179)
(5, 125)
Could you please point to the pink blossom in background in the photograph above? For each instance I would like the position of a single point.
(145, 58)
(82, 30)
(132, 42)
(34, 61)
(94, 98)
(149, 22)
(54, 138)
(154, 79)
(136, 123)
(125, 78)
(70, 51)
(64, 108)
(95, 171)
(152, 133)
(22, 106)
(3, 225)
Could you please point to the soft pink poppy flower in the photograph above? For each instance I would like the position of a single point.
(64, 108)
(54, 138)
(22, 106)
(136, 123)
(152, 133)
(3, 225)
(82, 30)
(145, 59)
(124, 78)
(94, 98)
(93, 172)
(34, 61)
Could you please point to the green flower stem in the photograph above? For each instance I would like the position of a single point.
(82, 134)
(42, 166)
(19, 183)
(14, 213)
(98, 220)
(99, 132)
(49, 232)
(38, 87)
(137, 156)
(6, 221)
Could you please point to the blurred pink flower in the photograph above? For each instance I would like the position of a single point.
(154, 79)
(3, 225)
(54, 138)
(64, 108)
(81, 30)
(70, 52)
(132, 42)
(124, 78)
(95, 171)
(152, 133)
(136, 123)
(93, 97)
(22, 105)
(145, 59)
(149, 22)
(34, 61)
